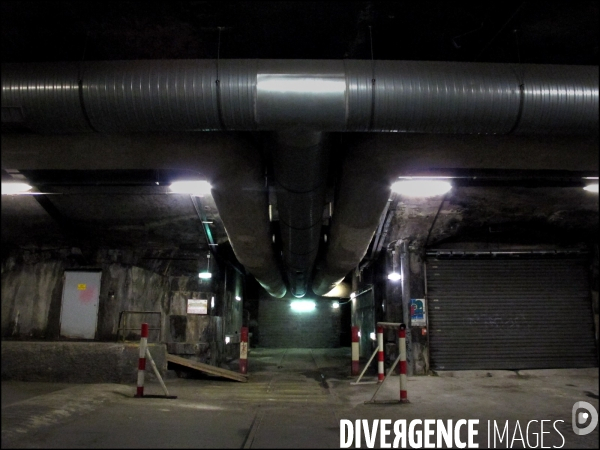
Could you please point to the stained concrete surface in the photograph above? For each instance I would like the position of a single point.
(18, 391)
(295, 398)
(76, 362)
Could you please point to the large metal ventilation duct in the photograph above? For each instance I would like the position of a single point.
(230, 162)
(300, 172)
(374, 160)
(201, 95)
(323, 95)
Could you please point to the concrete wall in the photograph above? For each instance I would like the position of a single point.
(133, 289)
(389, 301)
(32, 284)
(419, 343)
(281, 327)
(31, 295)
(77, 362)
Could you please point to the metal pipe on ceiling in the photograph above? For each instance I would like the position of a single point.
(373, 161)
(321, 95)
(300, 170)
(230, 162)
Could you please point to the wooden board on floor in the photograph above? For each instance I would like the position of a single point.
(212, 370)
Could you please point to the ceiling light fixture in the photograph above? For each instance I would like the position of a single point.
(393, 275)
(197, 188)
(10, 188)
(206, 274)
(421, 187)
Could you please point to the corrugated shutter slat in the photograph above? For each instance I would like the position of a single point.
(508, 313)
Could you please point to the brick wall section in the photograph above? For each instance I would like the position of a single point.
(279, 326)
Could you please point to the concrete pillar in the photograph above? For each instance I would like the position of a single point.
(419, 341)
(412, 287)
(406, 296)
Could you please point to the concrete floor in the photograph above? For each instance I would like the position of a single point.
(295, 398)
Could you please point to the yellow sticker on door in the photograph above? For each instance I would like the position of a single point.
(82, 287)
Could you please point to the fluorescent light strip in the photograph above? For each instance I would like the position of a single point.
(9, 188)
(421, 187)
(198, 188)
(394, 276)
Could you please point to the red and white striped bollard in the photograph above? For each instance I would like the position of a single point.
(403, 367)
(244, 350)
(142, 361)
(355, 352)
(380, 356)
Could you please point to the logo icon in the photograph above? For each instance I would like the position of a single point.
(579, 418)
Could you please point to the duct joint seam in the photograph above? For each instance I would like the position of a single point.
(82, 103)
(372, 119)
(520, 112)
(219, 102)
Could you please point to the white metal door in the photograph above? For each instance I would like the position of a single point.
(79, 312)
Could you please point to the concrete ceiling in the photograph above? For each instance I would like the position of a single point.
(135, 209)
(549, 32)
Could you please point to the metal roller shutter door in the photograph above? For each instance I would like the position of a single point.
(510, 314)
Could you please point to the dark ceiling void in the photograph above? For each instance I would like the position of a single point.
(552, 32)
(300, 128)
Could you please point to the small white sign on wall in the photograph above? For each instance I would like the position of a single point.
(197, 306)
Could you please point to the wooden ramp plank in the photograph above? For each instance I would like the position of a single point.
(207, 368)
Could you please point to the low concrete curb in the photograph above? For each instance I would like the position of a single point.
(476, 373)
(592, 371)
(77, 362)
(586, 372)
